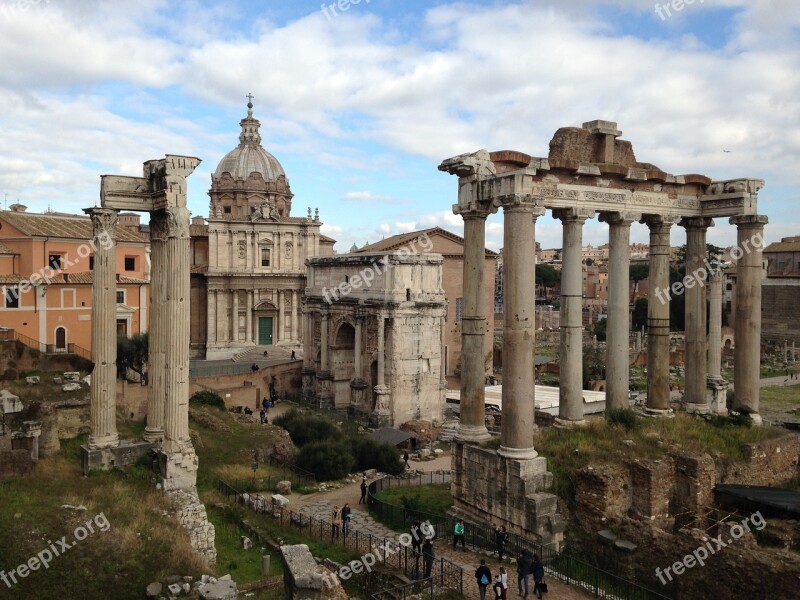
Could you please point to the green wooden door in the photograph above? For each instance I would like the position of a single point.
(264, 331)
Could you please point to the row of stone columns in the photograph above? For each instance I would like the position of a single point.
(520, 213)
(250, 336)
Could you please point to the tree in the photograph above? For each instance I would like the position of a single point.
(589, 262)
(598, 328)
(547, 275)
(132, 354)
(639, 314)
(639, 272)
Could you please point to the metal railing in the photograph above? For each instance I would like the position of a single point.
(481, 536)
(444, 574)
(10, 334)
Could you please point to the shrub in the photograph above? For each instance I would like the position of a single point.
(624, 417)
(330, 459)
(9, 375)
(304, 429)
(206, 398)
(369, 454)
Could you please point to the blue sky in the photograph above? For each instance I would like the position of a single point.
(361, 107)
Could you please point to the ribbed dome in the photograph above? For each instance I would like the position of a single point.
(249, 157)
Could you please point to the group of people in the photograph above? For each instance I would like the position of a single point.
(264, 411)
(526, 566)
(340, 521)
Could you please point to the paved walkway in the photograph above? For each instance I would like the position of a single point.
(320, 505)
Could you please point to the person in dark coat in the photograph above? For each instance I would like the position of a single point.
(500, 540)
(363, 498)
(484, 577)
(428, 556)
(524, 563)
(538, 575)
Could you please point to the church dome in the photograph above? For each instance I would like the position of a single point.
(249, 156)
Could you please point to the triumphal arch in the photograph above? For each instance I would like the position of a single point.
(590, 172)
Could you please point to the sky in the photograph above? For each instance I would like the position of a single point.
(361, 105)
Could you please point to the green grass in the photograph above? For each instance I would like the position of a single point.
(780, 397)
(432, 499)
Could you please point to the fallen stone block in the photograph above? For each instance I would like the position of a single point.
(175, 589)
(70, 387)
(33, 380)
(153, 590)
(284, 487)
(219, 590)
(74, 376)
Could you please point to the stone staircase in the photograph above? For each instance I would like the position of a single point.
(256, 353)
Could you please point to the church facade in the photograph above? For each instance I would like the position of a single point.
(248, 257)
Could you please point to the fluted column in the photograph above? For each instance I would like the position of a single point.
(618, 329)
(472, 425)
(175, 279)
(324, 342)
(695, 397)
(381, 349)
(658, 394)
(381, 416)
(519, 259)
(103, 417)
(281, 314)
(308, 371)
(747, 327)
(234, 315)
(294, 335)
(570, 407)
(156, 392)
(249, 317)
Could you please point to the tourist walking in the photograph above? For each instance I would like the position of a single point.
(293, 356)
(428, 556)
(416, 546)
(458, 534)
(524, 563)
(501, 584)
(538, 575)
(405, 458)
(263, 415)
(363, 498)
(500, 540)
(484, 577)
(336, 522)
(346, 510)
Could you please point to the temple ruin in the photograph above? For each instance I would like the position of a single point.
(588, 172)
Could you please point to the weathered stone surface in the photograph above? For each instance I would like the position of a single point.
(218, 590)
(153, 590)
(33, 380)
(9, 403)
(247, 543)
(284, 487)
(192, 516)
(279, 501)
(70, 387)
(282, 450)
(73, 376)
(175, 589)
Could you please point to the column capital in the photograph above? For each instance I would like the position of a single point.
(103, 219)
(658, 221)
(177, 222)
(619, 217)
(573, 214)
(754, 221)
(696, 223)
(521, 203)
(475, 210)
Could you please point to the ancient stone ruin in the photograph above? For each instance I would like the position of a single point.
(589, 171)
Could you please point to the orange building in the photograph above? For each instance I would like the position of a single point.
(46, 279)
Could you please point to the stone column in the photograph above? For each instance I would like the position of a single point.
(658, 396)
(717, 387)
(249, 317)
(156, 392)
(472, 426)
(618, 329)
(294, 337)
(234, 315)
(570, 408)
(324, 377)
(519, 258)
(103, 417)
(695, 398)
(281, 315)
(381, 416)
(747, 327)
(175, 279)
(212, 310)
(358, 385)
(308, 372)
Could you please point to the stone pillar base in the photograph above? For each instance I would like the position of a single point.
(153, 435)
(491, 488)
(358, 395)
(324, 395)
(472, 434)
(380, 419)
(657, 412)
(756, 418)
(568, 423)
(99, 442)
(308, 382)
(517, 453)
(381, 416)
(127, 453)
(717, 394)
(697, 409)
(178, 469)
